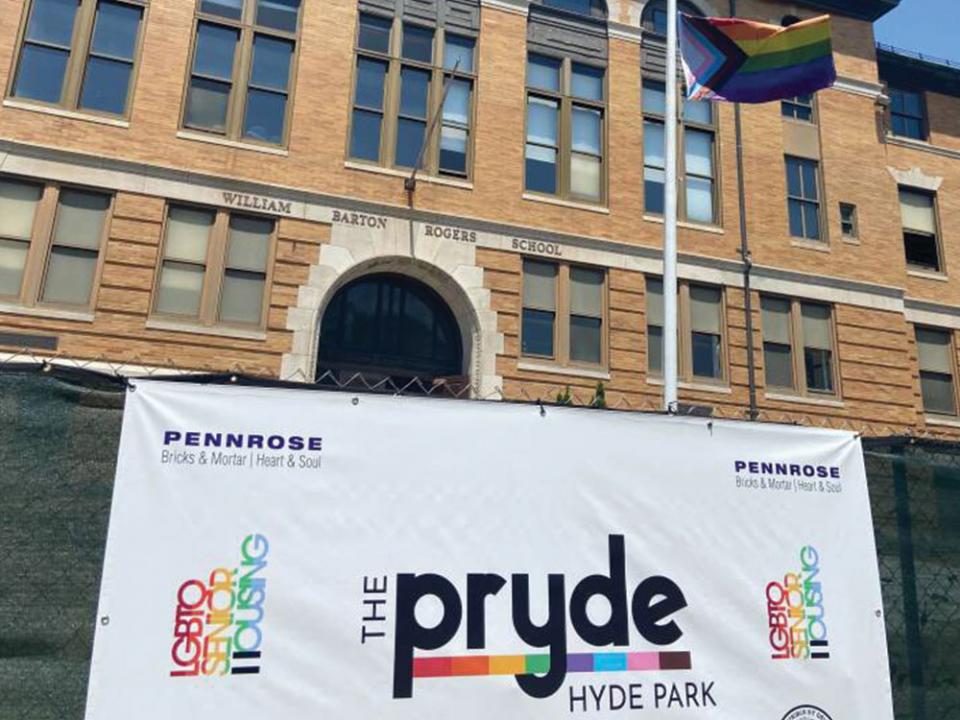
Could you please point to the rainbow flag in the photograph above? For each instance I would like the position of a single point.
(751, 62)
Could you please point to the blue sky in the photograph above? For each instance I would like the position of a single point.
(927, 26)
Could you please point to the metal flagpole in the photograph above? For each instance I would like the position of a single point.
(670, 220)
(745, 256)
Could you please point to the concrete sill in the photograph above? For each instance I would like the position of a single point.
(801, 400)
(217, 331)
(942, 421)
(798, 121)
(712, 229)
(393, 172)
(223, 142)
(84, 316)
(815, 245)
(695, 387)
(927, 275)
(566, 203)
(69, 114)
(923, 146)
(561, 370)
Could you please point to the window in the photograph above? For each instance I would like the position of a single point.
(564, 308)
(935, 350)
(401, 74)
(799, 107)
(51, 240)
(565, 134)
(920, 238)
(241, 69)
(697, 167)
(388, 326)
(777, 342)
(80, 54)
(908, 114)
(595, 8)
(849, 225)
(797, 346)
(700, 324)
(803, 197)
(654, 18)
(214, 268)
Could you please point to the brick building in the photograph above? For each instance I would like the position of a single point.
(223, 185)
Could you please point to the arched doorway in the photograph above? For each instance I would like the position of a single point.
(391, 329)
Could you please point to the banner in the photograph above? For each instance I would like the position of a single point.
(293, 554)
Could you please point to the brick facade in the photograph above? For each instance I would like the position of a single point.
(149, 161)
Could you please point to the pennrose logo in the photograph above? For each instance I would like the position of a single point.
(217, 626)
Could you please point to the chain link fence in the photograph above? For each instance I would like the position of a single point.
(59, 433)
(598, 395)
(915, 494)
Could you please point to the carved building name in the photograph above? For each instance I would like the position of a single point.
(450, 233)
(258, 202)
(359, 219)
(537, 246)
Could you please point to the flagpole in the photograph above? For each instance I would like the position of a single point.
(753, 412)
(670, 355)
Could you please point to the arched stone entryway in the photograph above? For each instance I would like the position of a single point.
(447, 267)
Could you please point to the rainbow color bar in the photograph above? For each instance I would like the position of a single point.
(468, 665)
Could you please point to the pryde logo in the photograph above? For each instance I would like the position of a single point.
(652, 605)
(218, 623)
(795, 612)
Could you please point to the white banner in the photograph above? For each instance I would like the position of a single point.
(291, 554)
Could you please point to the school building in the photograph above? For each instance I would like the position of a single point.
(230, 186)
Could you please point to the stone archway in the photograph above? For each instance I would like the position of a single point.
(448, 267)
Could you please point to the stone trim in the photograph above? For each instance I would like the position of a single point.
(214, 330)
(520, 7)
(586, 207)
(802, 399)
(65, 166)
(927, 275)
(718, 388)
(922, 146)
(235, 144)
(699, 227)
(922, 312)
(916, 178)
(410, 248)
(627, 33)
(392, 172)
(942, 421)
(548, 369)
(61, 112)
(41, 311)
(865, 88)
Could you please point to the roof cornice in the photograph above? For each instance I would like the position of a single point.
(860, 9)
